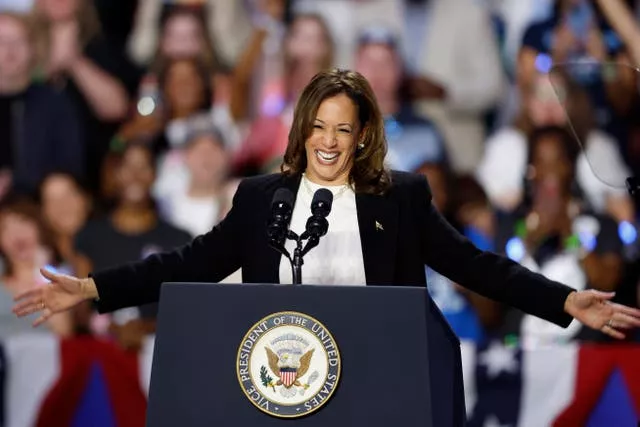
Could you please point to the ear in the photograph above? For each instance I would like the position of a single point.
(362, 136)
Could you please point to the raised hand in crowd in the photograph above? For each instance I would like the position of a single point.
(424, 88)
(64, 48)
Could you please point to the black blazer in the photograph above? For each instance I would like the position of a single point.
(413, 234)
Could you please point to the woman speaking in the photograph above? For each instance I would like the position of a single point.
(383, 229)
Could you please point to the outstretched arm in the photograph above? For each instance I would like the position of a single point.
(208, 258)
(501, 279)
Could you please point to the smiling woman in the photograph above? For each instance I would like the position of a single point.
(383, 229)
(337, 135)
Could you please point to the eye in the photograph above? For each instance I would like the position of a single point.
(347, 131)
(317, 126)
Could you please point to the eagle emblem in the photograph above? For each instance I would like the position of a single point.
(289, 360)
(288, 364)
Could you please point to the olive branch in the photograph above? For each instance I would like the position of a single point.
(266, 379)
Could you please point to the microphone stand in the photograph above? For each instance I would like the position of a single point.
(299, 252)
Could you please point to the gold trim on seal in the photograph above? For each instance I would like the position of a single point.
(246, 336)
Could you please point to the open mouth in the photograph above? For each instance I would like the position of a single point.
(327, 158)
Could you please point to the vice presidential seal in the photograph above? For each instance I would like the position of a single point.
(288, 364)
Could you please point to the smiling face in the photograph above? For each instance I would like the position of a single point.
(135, 176)
(332, 143)
(184, 88)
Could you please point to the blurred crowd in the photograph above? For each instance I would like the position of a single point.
(125, 126)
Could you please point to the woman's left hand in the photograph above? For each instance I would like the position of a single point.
(594, 309)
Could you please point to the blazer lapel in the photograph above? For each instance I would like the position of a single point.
(272, 257)
(378, 223)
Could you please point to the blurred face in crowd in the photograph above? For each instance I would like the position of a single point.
(380, 65)
(182, 37)
(330, 147)
(135, 176)
(19, 238)
(60, 10)
(545, 103)
(206, 160)
(64, 205)
(184, 88)
(552, 168)
(15, 48)
(308, 41)
(437, 181)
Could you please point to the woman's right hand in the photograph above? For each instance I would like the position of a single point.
(61, 294)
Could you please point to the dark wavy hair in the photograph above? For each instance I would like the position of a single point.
(368, 174)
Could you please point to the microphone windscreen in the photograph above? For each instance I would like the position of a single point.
(282, 201)
(321, 203)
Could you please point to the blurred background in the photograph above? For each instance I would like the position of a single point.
(125, 126)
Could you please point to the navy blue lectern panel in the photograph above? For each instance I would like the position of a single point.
(400, 361)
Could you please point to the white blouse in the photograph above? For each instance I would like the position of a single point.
(337, 260)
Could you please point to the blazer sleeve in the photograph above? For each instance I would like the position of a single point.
(208, 258)
(486, 273)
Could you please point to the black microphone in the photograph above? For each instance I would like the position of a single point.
(281, 208)
(317, 224)
(321, 203)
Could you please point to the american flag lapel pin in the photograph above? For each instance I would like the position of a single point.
(379, 226)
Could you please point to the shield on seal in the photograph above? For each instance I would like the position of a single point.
(288, 376)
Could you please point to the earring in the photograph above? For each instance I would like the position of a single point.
(361, 146)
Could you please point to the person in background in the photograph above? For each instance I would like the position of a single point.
(228, 24)
(132, 231)
(184, 35)
(308, 49)
(25, 247)
(456, 75)
(554, 234)
(78, 60)
(554, 101)
(39, 128)
(577, 32)
(66, 207)
(184, 90)
(379, 59)
(620, 14)
(205, 200)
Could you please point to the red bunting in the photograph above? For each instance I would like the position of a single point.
(121, 373)
(595, 366)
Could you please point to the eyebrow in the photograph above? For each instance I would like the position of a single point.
(339, 124)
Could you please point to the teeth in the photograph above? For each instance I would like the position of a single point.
(327, 156)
